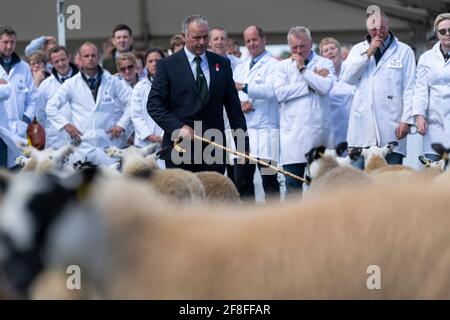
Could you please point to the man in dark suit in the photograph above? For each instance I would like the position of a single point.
(189, 91)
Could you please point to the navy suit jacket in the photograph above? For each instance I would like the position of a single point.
(174, 99)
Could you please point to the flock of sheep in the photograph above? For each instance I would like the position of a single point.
(140, 232)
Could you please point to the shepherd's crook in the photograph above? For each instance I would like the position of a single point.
(243, 155)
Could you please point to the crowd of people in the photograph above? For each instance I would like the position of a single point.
(369, 98)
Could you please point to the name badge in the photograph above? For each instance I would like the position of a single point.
(22, 88)
(107, 99)
(396, 64)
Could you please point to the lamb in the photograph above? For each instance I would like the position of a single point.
(218, 188)
(320, 249)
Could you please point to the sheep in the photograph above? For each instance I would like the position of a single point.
(320, 249)
(178, 185)
(44, 160)
(374, 157)
(377, 166)
(328, 176)
(218, 188)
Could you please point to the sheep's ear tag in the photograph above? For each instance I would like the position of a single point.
(321, 154)
(29, 141)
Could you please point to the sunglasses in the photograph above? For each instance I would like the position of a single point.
(130, 67)
(443, 32)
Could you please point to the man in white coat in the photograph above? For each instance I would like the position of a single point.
(62, 71)
(254, 81)
(218, 38)
(8, 141)
(382, 69)
(431, 105)
(94, 96)
(21, 104)
(302, 85)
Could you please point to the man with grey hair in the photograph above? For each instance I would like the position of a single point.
(302, 84)
(382, 69)
(192, 86)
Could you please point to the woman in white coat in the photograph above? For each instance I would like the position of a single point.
(8, 140)
(145, 129)
(341, 95)
(431, 105)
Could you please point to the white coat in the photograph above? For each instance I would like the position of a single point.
(383, 94)
(54, 138)
(22, 100)
(92, 117)
(264, 122)
(305, 107)
(143, 124)
(341, 97)
(6, 135)
(432, 97)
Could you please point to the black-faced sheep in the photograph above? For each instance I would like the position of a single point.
(327, 176)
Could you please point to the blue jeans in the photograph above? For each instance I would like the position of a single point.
(294, 187)
(392, 158)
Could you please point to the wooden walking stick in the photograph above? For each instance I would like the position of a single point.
(243, 155)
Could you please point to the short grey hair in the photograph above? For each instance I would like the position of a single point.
(219, 29)
(297, 31)
(197, 18)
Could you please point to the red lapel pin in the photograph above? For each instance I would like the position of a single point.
(217, 67)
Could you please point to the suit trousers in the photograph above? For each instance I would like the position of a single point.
(243, 177)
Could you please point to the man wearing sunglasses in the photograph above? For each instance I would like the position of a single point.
(382, 69)
(431, 104)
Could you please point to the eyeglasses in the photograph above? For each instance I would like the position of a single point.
(129, 67)
(443, 32)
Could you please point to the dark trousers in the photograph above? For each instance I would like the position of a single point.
(293, 186)
(3, 154)
(392, 158)
(220, 168)
(243, 179)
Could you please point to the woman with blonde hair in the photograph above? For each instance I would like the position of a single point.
(342, 93)
(431, 103)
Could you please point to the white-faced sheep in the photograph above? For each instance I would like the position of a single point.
(46, 160)
(320, 249)
(178, 185)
